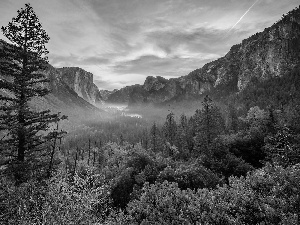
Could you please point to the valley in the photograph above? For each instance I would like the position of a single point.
(219, 145)
(119, 110)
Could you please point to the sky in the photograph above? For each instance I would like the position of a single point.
(123, 41)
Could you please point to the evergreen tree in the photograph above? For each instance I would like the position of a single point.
(282, 147)
(209, 124)
(182, 136)
(232, 118)
(170, 128)
(155, 142)
(191, 132)
(271, 121)
(145, 139)
(22, 63)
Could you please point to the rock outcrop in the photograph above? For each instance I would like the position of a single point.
(265, 55)
(81, 82)
(72, 90)
(62, 97)
(105, 93)
(126, 94)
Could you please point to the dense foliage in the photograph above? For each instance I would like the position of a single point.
(246, 175)
(238, 164)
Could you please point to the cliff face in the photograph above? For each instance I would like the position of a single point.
(125, 94)
(271, 53)
(105, 93)
(81, 82)
(265, 55)
(62, 97)
(67, 97)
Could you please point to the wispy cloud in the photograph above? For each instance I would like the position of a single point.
(75, 60)
(123, 41)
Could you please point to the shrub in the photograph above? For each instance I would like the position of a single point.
(266, 196)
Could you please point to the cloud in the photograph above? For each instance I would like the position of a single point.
(94, 60)
(101, 84)
(74, 60)
(170, 67)
(201, 40)
(117, 82)
(123, 41)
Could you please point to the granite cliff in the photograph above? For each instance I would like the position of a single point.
(62, 96)
(72, 91)
(81, 82)
(105, 93)
(271, 53)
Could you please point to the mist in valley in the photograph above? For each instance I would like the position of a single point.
(150, 112)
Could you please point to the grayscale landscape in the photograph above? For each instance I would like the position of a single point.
(149, 112)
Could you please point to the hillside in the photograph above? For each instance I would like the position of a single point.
(72, 92)
(62, 97)
(81, 82)
(274, 52)
(220, 145)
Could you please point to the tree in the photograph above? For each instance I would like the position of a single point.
(170, 128)
(282, 147)
(257, 120)
(22, 63)
(182, 137)
(209, 124)
(232, 118)
(155, 141)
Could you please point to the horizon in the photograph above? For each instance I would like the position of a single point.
(123, 42)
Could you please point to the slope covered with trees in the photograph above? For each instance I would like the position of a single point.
(263, 57)
(181, 171)
(235, 165)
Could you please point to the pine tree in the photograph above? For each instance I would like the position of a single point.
(209, 124)
(22, 63)
(182, 139)
(282, 147)
(155, 142)
(145, 139)
(233, 118)
(170, 128)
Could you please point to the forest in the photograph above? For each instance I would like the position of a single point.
(235, 162)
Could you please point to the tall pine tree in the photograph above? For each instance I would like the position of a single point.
(170, 128)
(155, 140)
(22, 63)
(209, 124)
(182, 137)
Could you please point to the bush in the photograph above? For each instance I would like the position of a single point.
(190, 175)
(84, 200)
(161, 203)
(266, 196)
(22, 204)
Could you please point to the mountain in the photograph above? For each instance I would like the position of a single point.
(81, 82)
(62, 96)
(272, 53)
(105, 93)
(72, 91)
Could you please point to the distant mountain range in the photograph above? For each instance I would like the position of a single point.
(272, 53)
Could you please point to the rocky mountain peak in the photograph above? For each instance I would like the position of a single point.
(154, 83)
(81, 82)
(271, 53)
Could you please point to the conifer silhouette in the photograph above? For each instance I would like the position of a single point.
(22, 64)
